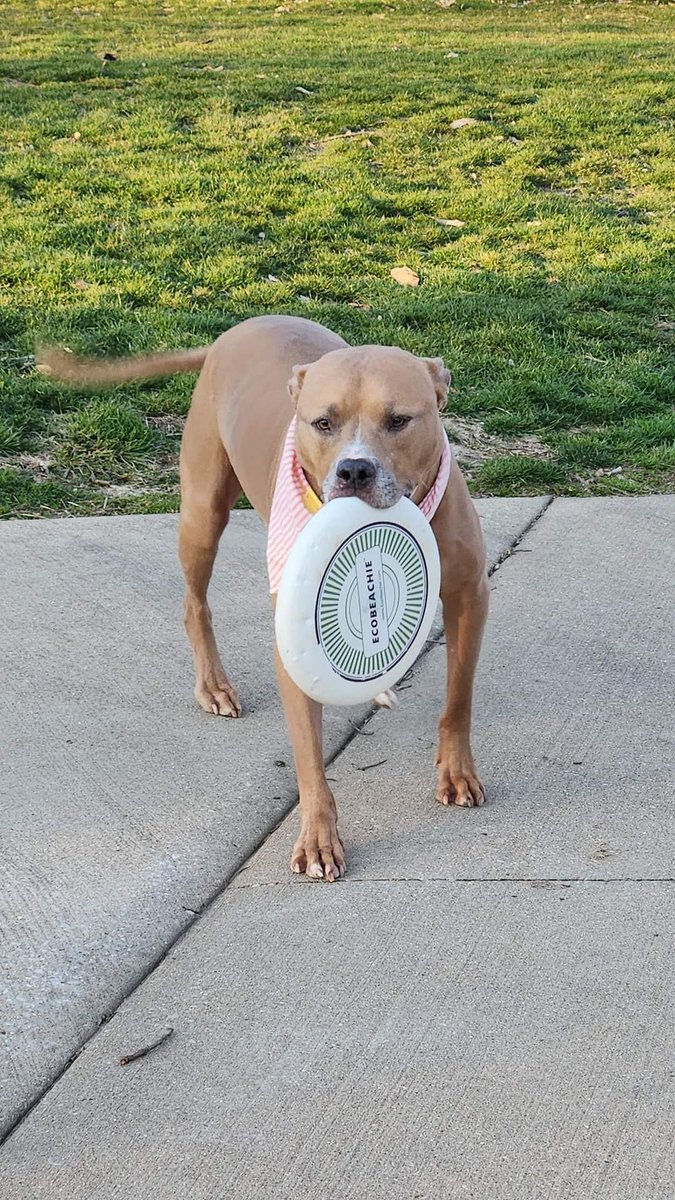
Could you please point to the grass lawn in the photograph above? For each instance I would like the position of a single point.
(169, 169)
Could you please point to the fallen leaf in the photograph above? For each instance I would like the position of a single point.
(405, 276)
(208, 67)
(463, 122)
(452, 54)
(359, 304)
(273, 279)
(445, 3)
(451, 221)
(80, 284)
(77, 135)
(515, 141)
(304, 92)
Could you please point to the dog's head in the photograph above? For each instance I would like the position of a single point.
(368, 424)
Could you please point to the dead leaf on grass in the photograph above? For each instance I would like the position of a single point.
(453, 222)
(405, 276)
(463, 122)
(80, 284)
(304, 91)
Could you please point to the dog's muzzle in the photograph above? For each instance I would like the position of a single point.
(362, 477)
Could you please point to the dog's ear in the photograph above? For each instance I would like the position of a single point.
(295, 383)
(441, 378)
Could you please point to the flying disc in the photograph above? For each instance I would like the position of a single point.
(357, 599)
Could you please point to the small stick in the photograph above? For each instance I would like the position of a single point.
(361, 732)
(129, 1058)
(369, 766)
(351, 133)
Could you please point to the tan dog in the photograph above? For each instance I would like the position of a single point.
(368, 424)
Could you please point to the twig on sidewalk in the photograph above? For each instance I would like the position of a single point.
(369, 766)
(361, 732)
(129, 1058)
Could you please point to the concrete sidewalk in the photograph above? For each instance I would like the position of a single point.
(485, 1006)
(123, 808)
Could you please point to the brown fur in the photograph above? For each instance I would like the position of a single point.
(251, 380)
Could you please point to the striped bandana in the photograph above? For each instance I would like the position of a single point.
(294, 504)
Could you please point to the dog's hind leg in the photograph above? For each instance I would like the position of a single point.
(209, 490)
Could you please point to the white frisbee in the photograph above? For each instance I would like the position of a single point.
(357, 599)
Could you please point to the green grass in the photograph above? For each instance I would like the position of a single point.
(134, 194)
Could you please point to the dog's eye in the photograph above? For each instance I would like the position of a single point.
(322, 425)
(398, 421)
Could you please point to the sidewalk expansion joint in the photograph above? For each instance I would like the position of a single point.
(542, 881)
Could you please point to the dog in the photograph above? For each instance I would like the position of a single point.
(368, 425)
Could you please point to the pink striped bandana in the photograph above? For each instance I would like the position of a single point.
(294, 504)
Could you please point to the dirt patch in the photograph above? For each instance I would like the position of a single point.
(168, 425)
(123, 490)
(474, 446)
(39, 465)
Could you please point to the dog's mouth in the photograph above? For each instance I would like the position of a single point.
(370, 495)
(381, 493)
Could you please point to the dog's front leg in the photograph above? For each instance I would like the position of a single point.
(465, 594)
(464, 615)
(318, 851)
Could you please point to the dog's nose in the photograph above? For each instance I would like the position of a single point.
(355, 472)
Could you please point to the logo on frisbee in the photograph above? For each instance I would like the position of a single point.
(371, 601)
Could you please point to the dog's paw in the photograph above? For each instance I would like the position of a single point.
(318, 852)
(219, 698)
(459, 786)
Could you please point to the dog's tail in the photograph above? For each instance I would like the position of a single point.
(94, 372)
